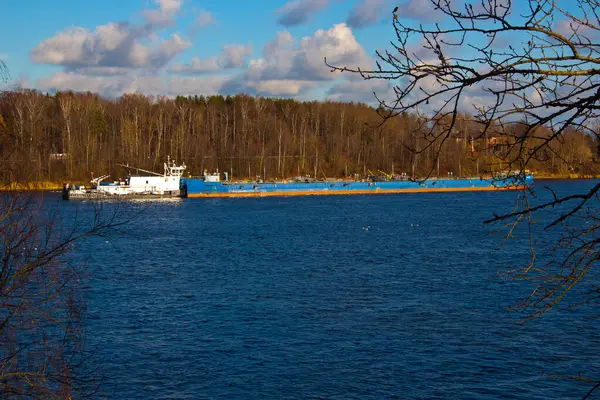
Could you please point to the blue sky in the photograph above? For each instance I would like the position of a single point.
(171, 47)
(187, 47)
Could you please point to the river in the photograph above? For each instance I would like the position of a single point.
(341, 297)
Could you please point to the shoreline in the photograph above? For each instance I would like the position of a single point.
(55, 186)
(565, 176)
(34, 186)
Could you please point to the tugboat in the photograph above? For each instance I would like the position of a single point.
(154, 185)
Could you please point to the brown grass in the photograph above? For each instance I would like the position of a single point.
(31, 186)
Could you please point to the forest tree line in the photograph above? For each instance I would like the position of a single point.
(69, 136)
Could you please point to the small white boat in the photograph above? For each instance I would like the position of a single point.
(155, 184)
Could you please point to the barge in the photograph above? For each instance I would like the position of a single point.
(210, 185)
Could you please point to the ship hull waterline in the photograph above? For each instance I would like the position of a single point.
(351, 192)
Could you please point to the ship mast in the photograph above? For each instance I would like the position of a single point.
(140, 169)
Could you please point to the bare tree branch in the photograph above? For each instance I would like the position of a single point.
(4, 75)
(525, 74)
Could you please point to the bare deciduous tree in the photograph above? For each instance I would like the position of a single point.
(3, 71)
(467, 61)
(529, 73)
(41, 299)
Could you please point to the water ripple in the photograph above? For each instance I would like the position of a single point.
(295, 298)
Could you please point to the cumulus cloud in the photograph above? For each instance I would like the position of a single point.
(232, 56)
(101, 71)
(107, 85)
(292, 68)
(366, 12)
(280, 87)
(340, 47)
(283, 42)
(198, 66)
(284, 58)
(267, 87)
(362, 91)
(278, 57)
(118, 85)
(165, 14)
(168, 49)
(114, 44)
(570, 28)
(189, 86)
(297, 12)
(421, 10)
(204, 19)
(110, 45)
(114, 58)
(122, 58)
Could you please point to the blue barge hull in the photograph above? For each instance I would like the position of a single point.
(198, 187)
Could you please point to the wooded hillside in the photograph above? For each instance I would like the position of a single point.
(68, 136)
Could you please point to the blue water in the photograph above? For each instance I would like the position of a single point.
(342, 297)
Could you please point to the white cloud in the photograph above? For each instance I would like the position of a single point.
(279, 55)
(232, 56)
(340, 47)
(167, 51)
(165, 14)
(110, 45)
(291, 68)
(118, 58)
(189, 86)
(102, 71)
(117, 85)
(281, 87)
(198, 66)
(204, 19)
(283, 41)
(362, 91)
(68, 47)
(421, 10)
(288, 67)
(367, 12)
(106, 85)
(123, 58)
(284, 58)
(297, 12)
(570, 28)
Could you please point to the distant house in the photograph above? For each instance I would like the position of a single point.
(496, 143)
(472, 143)
(58, 156)
(488, 144)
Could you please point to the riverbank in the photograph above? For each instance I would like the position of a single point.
(31, 186)
(57, 186)
(565, 176)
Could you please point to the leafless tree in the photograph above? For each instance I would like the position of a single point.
(528, 72)
(4, 75)
(548, 79)
(41, 298)
(535, 74)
